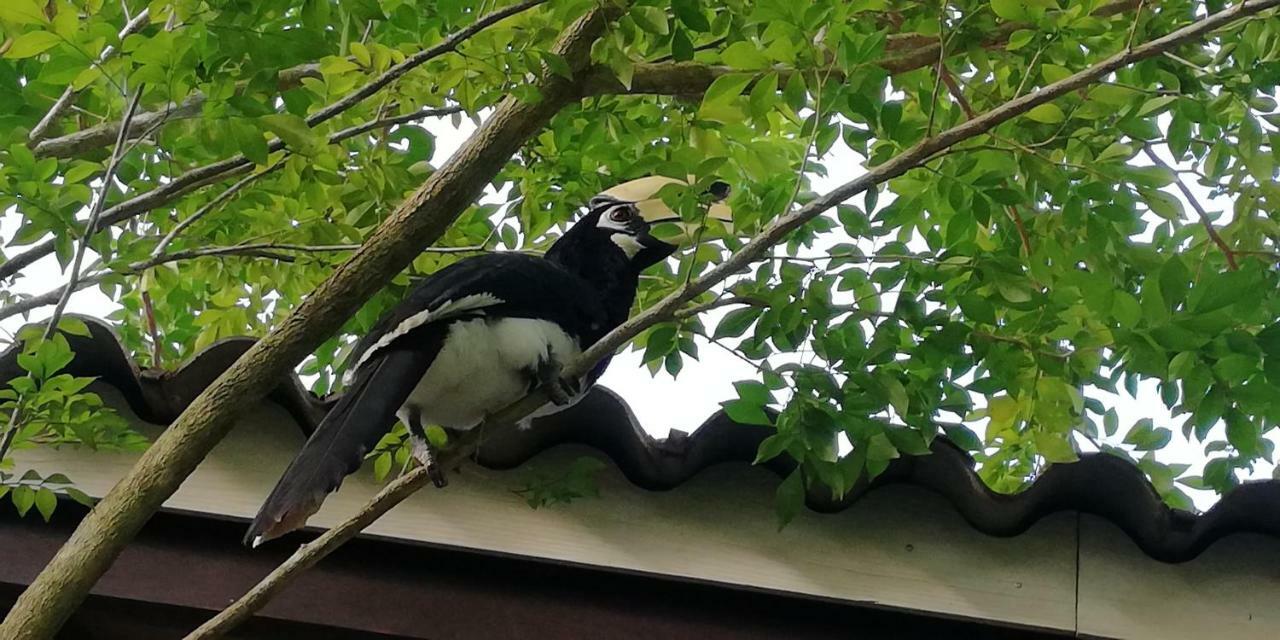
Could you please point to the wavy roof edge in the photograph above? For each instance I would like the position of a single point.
(1098, 484)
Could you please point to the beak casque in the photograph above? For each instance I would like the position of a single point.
(643, 192)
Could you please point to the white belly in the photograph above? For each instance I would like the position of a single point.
(484, 366)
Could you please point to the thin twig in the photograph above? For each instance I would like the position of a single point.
(956, 92)
(94, 214)
(211, 205)
(1133, 29)
(1195, 204)
(11, 430)
(258, 250)
(199, 177)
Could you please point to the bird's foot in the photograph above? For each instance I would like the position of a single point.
(561, 390)
(421, 451)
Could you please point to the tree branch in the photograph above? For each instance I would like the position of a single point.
(200, 177)
(210, 206)
(503, 421)
(956, 92)
(94, 137)
(94, 214)
(418, 222)
(906, 52)
(1195, 204)
(261, 250)
(69, 94)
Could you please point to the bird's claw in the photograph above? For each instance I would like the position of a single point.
(559, 389)
(421, 451)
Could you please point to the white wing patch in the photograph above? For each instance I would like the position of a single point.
(449, 308)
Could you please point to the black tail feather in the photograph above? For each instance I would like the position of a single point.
(338, 446)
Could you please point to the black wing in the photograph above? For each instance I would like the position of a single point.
(394, 356)
(524, 286)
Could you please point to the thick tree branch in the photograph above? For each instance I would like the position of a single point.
(776, 231)
(422, 219)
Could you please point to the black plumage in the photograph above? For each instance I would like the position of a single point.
(504, 319)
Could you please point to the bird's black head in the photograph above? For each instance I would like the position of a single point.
(618, 224)
(612, 236)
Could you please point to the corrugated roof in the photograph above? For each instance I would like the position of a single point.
(1099, 484)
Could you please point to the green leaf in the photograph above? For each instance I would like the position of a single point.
(1155, 105)
(690, 13)
(294, 131)
(22, 12)
(1055, 447)
(1019, 39)
(78, 495)
(73, 326)
(651, 19)
(790, 498)
(1164, 205)
(32, 43)
(681, 46)
(1053, 73)
(1047, 113)
(746, 413)
(764, 95)
(908, 441)
(46, 501)
(1126, 310)
(744, 55)
(23, 498)
(771, 447)
(753, 391)
(736, 322)
(725, 88)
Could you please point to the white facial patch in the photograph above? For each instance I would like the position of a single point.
(627, 243)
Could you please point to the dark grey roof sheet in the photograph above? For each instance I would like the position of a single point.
(1099, 484)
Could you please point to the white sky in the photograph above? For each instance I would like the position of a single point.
(662, 403)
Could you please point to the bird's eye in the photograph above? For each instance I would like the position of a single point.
(620, 214)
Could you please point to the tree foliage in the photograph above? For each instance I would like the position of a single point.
(989, 294)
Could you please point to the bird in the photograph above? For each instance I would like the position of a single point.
(478, 335)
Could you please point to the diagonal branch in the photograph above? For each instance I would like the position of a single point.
(953, 87)
(503, 422)
(418, 222)
(1195, 204)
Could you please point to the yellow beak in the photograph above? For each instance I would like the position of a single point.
(644, 193)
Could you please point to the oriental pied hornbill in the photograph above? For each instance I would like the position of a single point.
(478, 335)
